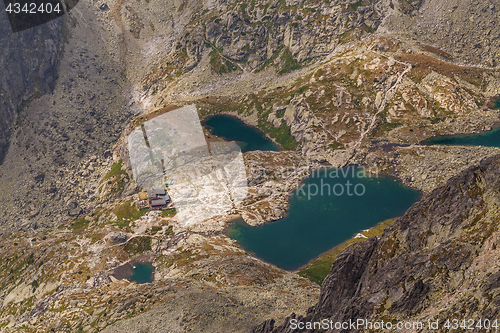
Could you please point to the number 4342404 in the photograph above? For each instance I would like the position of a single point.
(471, 324)
(33, 8)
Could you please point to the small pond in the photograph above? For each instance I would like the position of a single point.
(138, 272)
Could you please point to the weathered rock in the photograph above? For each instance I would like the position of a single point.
(26, 67)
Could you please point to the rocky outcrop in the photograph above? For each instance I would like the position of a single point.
(263, 34)
(438, 262)
(28, 64)
(429, 167)
(466, 30)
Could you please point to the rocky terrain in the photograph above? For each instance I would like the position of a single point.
(60, 145)
(328, 80)
(69, 279)
(465, 30)
(27, 70)
(438, 262)
(427, 168)
(332, 82)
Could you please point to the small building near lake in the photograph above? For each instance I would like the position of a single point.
(158, 198)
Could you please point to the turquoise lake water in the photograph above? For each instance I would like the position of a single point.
(232, 129)
(316, 223)
(142, 273)
(488, 139)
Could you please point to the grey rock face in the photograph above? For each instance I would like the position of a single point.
(252, 34)
(28, 63)
(45, 175)
(467, 30)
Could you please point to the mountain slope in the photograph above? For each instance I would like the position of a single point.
(28, 65)
(466, 30)
(319, 77)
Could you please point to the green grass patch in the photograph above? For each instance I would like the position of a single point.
(270, 60)
(219, 64)
(79, 225)
(355, 6)
(436, 120)
(19, 266)
(319, 268)
(116, 170)
(169, 212)
(116, 177)
(138, 245)
(368, 29)
(183, 258)
(31, 260)
(386, 127)
(319, 73)
(127, 212)
(155, 229)
(303, 89)
(281, 134)
(34, 284)
(266, 6)
(336, 145)
(288, 62)
(169, 231)
(285, 7)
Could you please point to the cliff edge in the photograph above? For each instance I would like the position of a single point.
(28, 64)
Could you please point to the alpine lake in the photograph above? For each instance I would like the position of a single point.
(487, 139)
(232, 129)
(328, 208)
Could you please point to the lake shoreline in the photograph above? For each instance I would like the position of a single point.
(326, 259)
(316, 171)
(317, 220)
(240, 119)
(494, 127)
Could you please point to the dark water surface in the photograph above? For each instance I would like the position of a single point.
(496, 104)
(487, 139)
(232, 129)
(316, 223)
(142, 273)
